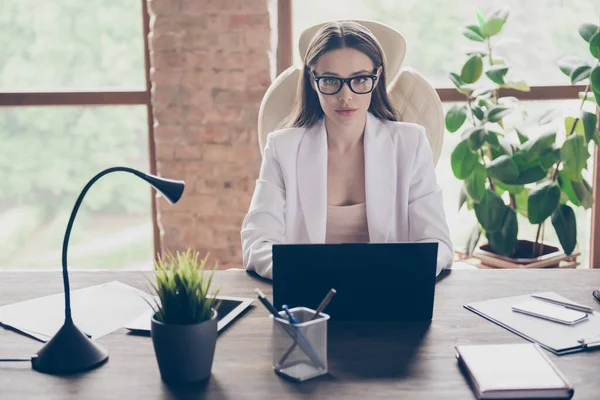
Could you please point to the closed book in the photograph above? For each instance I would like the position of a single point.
(508, 371)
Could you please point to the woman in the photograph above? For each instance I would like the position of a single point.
(345, 170)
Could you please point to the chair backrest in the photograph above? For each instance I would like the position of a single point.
(410, 93)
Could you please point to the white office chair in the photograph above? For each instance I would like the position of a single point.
(410, 93)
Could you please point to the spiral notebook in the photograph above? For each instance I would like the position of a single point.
(558, 338)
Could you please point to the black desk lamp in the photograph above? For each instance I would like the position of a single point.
(70, 350)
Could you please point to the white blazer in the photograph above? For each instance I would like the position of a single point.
(289, 204)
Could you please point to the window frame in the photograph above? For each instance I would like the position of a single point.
(14, 98)
(549, 92)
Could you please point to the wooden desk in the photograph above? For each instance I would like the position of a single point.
(402, 362)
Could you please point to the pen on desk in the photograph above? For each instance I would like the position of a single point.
(571, 306)
(319, 310)
(295, 333)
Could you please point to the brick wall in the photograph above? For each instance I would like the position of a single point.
(210, 68)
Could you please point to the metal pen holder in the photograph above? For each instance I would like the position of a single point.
(300, 350)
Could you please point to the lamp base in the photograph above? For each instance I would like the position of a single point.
(69, 351)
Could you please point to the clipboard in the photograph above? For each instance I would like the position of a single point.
(557, 338)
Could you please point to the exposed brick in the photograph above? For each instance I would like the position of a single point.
(184, 151)
(166, 42)
(164, 7)
(195, 7)
(168, 116)
(165, 152)
(248, 21)
(165, 60)
(167, 134)
(166, 77)
(209, 71)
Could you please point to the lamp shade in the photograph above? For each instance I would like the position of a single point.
(171, 189)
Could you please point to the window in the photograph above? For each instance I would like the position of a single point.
(48, 152)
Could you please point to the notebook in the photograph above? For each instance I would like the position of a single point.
(508, 371)
(552, 336)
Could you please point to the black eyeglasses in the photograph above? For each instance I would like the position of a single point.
(360, 84)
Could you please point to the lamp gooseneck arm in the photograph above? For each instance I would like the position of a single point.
(68, 318)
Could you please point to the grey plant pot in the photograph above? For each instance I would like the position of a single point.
(184, 353)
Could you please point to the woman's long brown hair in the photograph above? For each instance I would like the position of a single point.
(332, 36)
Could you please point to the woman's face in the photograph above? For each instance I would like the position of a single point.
(345, 108)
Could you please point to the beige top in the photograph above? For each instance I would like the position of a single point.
(347, 224)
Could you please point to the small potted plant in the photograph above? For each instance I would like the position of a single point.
(508, 170)
(184, 321)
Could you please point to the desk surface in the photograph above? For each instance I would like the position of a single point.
(400, 362)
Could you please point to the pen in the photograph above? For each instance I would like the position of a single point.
(294, 332)
(571, 306)
(319, 310)
(289, 314)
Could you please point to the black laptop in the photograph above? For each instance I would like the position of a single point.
(374, 281)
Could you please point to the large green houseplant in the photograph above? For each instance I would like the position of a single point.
(184, 322)
(504, 171)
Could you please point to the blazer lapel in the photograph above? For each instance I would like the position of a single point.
(311, 170)
(380, 179)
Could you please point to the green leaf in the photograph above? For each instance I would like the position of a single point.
(462, 196)
(480, 18)
(492, 27)
(514, 189)
(499, 13)
(473, 32)
(455, 117)
(490, 211)
(589, 125)
(594, 44)
(522, 136)
(586, 31)
(580, 73)
(529, 175)
(504, 240)
(455, 78)
(496, 113)
(478, 112)
(584, 192)
(503, 168)
(596, 137)
(521, 86)
(496, 74)
(472, 69)
(463, 160)
(542, 202)
(475, 183)
(570, 63)
(505, 146)
(574, 154)
(595, 83)
(531, 149)
(570, 123)
(475, 137)
(492, 138)
(565, 185)
(521, 201)
(549, 158)
(565, 225)
(473, 240)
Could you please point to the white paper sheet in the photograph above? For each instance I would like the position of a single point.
(96, 310)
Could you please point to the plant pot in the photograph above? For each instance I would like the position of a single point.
(551, 258)
(184, 353)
